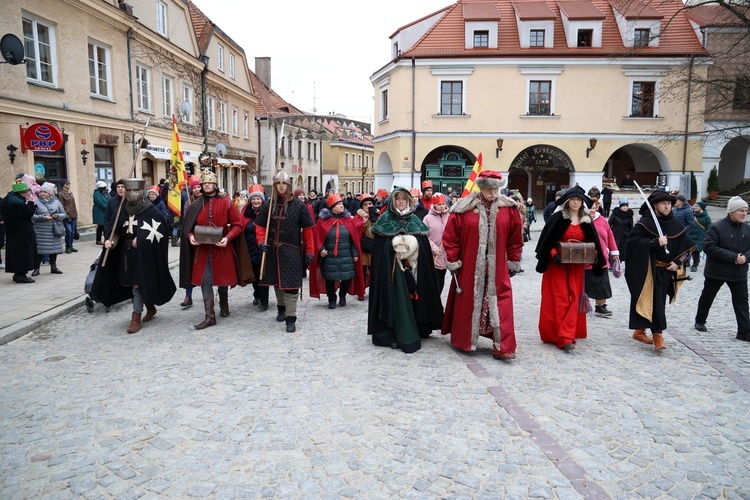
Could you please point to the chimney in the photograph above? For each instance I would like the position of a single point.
(263, 70)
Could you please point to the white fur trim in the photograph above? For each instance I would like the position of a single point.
(452, 266)
(514, 266)
(406, 247)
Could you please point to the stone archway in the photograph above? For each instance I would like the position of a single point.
(539, 171)
(734, 166)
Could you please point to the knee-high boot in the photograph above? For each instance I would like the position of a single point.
(210, 319)
(223, 301)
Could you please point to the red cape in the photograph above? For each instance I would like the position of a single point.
(355, 226)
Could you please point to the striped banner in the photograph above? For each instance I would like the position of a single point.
(470, 183)
(178, 174)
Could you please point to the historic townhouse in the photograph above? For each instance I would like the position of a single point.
(349, 153)
(552, 93)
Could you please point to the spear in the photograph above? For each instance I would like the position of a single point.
(271, 204)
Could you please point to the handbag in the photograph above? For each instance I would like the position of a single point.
(208, 235)
(576, 252)
(366, 244)
(616, 268)
(57, 228)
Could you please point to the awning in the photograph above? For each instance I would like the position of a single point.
(223, 161)
(239, 162)
(156, 154)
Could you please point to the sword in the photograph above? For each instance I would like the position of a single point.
(651, 209)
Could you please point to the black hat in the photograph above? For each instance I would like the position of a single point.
(660, 195)
(574, 192)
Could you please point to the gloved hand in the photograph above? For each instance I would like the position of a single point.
(557, 259)
(308, 259)
(264, 247)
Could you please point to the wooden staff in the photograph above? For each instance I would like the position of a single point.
(271, 205)
(122, 199)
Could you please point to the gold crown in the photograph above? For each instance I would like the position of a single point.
(207, 176)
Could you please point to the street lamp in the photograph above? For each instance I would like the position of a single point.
(499, 147)
(592, 144)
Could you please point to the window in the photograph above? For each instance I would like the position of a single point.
(167, 92)
(309, 150)
(481, 39)
(223, 117)
(367, 162)
(161, 18)
(220, 54)
(211, 110)
(315, 151)
(383, 104)
(346, 160)
(98, 70)
(741, 98)
(451, 98)
(585, 37)
(540, 93)
(235, 121)
(143, 85)
(281, 147)
(299, 149)
(346, 187)
(359, 161)
(104, 167)
(289, 147)
(187, 96)
(536, 38)
(39, 45)
(231, 65)
(246, 126)
(642, 37)
(643, 99)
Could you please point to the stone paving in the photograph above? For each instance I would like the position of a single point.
(246, 410)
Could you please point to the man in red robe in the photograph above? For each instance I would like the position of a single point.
(219, 264)
(483, 241)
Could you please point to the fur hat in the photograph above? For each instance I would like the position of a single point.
(489, 179)
(659, 196)
(735, 203)
(574, 192)
(48, 187)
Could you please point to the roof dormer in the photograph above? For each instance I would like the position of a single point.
(582, 23)
(639, 23)
(536, 24)
(481, 22)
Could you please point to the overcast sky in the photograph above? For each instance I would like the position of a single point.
(322, 53)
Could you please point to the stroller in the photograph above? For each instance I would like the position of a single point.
(89, 283)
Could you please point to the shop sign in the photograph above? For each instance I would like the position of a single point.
(42, 137)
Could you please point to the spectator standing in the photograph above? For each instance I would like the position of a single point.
(369, 216)
(256, 197)
(155, 198)
(594, 192)
(684, 213)
(419, 209)
(18, 208)
(101, 198)
(597, 286)
(435, 221)
(698, 233)
(627, 183)
(621, 223)
(551, 207)
(606, 199)
(196, 191)
(653, 274)
(727, 247)
(48, 227)
(68, 202)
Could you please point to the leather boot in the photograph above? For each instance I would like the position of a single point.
(55, 270)
(187, 302)
(135, 323)
(210, 319)
(223, 302)
(290, 320)
(150, 313)
(282, 313)
(659, 342)
(640, 334)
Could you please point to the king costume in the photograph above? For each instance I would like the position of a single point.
(483, 242)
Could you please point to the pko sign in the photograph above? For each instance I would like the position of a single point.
(43, 137)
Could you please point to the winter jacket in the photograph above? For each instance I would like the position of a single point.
(549, 210)
(101, 197)
(46, 241)
(338, 265)
(436, 222)
(249, 214)
(621, 224)
(724, 241)
(68, 202)
(684, 215)
(698, 233)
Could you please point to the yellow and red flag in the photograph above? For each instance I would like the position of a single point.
(471, 186)
(178, 174)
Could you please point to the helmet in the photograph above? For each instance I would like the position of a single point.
(208, 177)
(134, 189)
(282, 177)
(333, 199)
(195, 180)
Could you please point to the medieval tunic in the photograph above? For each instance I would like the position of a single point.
(561, 320)
(648, 279)
(284, 266)
(230, 265)
(483, 238)
(145, 266)
(399, 310)
(340, 235)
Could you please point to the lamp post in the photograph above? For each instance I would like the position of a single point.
(592, 144)
(364, 172)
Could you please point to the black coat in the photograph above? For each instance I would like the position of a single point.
(250, 240)
(549, 210)
(20, 245)
(621, 224)
(723, 242)
(553, 230)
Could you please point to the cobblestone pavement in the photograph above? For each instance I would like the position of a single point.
(246, 410)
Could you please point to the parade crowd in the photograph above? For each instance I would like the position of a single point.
(396, 249)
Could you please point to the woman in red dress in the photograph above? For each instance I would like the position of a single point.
(562, 316)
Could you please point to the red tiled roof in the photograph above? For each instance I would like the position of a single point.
(580, 11)
(202, 26)
(419, 20)
(717, 15)
(633, 9)
(486, 11)
(446, 39)
(533, 11)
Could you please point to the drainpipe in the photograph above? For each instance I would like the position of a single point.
(130, 86)
(413, 120)
(258, 166)
(204, 73)
(687, 114)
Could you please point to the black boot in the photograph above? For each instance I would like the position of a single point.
(223, 302)
(290, 320)
(282, 313)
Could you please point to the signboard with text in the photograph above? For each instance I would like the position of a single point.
(42, 137)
